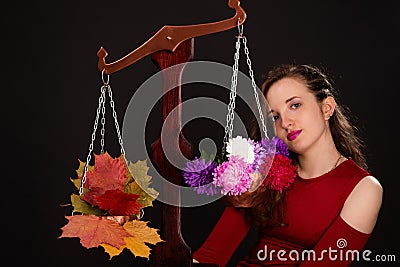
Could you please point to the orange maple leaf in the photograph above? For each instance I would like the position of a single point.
(94, 231)
(140, 236)
(108, 173)
(117, 202)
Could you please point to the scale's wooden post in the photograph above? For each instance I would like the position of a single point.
(174, 252)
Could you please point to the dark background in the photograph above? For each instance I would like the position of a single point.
(52, 88)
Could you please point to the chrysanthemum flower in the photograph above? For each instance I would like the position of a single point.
(249, 163)
(281, 147)
(275, 146)
(198, 174)
(281, 175)
(241, 147)
(233, 176)
(269, 146)
(259, 155)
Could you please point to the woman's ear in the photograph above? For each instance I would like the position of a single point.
(328, 107)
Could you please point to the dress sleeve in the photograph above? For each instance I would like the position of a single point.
(339, 246)
(224, 239)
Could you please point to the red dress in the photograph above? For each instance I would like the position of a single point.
(315, 234)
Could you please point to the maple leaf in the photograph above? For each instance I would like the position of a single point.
(139, 172)
(79, 172)
(145, 199)
(140, 233)
(117, 202)
(113, 188)
(108, 174)
(112, 251)
(81, 168)
(93, 231)
(90, 195)
(137, 247)
(139, 183)
(84, 207)
(77, 183)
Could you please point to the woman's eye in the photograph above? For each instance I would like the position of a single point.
(275, 117)
(295, 105)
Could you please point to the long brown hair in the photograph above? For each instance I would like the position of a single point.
(266, 207)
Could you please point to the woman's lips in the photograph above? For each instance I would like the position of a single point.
(293, 135)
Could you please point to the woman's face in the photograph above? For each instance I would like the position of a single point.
(298, 118)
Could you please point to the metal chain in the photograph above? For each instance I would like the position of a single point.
(116, 121)
(232, 96)
(89, 156)
(103, 121)
(101, 107)
(253, 83)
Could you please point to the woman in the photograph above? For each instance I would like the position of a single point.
(328, 214)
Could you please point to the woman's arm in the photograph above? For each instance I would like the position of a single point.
(342, 243)
(224, 239)
(362, 206)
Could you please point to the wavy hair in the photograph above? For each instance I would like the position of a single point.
(267, 207)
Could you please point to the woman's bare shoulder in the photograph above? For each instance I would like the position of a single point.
(362, 206)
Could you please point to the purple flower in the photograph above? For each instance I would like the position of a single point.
(198, 174)
(281, 147)
(269, 146)
(275, 146)
(208, 189)
(259, 155)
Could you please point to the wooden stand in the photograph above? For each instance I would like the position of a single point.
(174, 252)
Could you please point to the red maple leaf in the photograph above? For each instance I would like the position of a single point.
(108, 174)
(117, 202)
(89, 196)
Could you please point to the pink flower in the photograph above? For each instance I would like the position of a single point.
(233, 176)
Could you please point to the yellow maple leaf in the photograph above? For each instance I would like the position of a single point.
(145, 199)
(81, 168)
(111, 250)
(137, 247)
(139, 183)
(139, 172)
(79, 173)
(141, 234)
(141, 231)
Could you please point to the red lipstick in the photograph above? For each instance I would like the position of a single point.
(293, 135)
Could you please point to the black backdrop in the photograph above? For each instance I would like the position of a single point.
(52, 82)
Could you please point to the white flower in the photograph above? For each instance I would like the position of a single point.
(241, 147)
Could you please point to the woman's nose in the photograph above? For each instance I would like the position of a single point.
(286, 121)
